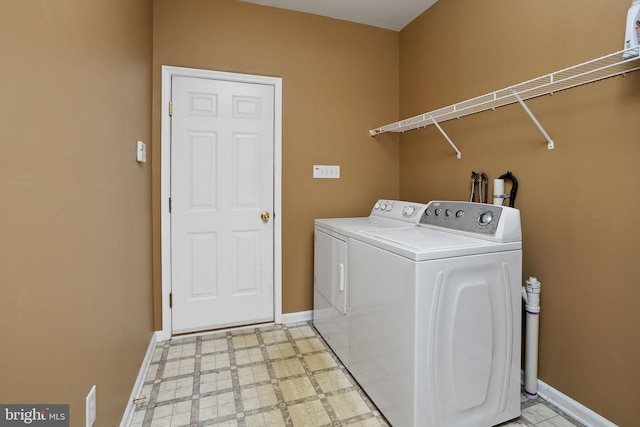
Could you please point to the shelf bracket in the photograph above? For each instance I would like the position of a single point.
(550, 145)
(458, 154)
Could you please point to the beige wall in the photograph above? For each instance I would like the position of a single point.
(578, 202)
(75, 258)
(339, 80)
(75, 221)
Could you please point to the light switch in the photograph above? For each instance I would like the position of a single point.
(141, 152)
(326, 171)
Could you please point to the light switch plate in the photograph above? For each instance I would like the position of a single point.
(326, 171)
(141, 152)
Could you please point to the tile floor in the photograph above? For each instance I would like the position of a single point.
(275, 375)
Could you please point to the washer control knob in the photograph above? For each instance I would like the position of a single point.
(460, 213)
(408, 211)
(389, 207)
(447, 212)
(427, 212)
(485, 218)
(376, 206)
(438, 211)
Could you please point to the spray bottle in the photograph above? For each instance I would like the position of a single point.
(632, 36)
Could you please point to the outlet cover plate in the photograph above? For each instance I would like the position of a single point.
(326, 171)
(91, 407)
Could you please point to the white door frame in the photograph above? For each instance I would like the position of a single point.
(165, 185)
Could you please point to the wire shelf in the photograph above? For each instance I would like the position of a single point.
(615, 64)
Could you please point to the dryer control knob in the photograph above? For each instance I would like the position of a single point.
(408, 211)
(485, 218)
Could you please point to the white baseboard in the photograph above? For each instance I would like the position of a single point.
(137, 387)
(572, 408)
(300, 316)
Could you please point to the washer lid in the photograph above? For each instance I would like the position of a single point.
(422, 244)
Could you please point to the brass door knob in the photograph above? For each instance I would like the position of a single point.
(265, 216)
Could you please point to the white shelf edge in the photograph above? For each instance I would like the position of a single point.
(611, 65)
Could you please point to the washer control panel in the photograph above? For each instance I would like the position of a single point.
(397, 209)
(468, 217)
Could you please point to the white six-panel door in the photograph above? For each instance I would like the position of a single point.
(222, 182)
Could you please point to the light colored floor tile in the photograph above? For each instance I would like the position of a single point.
(214, 361)
(287, 367)
(180, 419)
(163, 411)
(215, 381)
(311, 414)
(231, 423)
(302, 331)
(243, 341)
(280, 351)
(184, 350)
(319, 361)
(216, 406)
(157, 354)
(247, 356)
(296, 388)
(347, 405)
(332, 381)
(258, 397)
(214, 345)
(370, 422)
(151, 372)
(161, 422)
(538, 413)
(253, 374)
(181, 408)
(274, 336)
(557, 421)
(265, 419)
(310, 345)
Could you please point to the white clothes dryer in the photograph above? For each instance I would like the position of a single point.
(330, 295)
(435, 316)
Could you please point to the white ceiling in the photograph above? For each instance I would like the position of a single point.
(390, 14)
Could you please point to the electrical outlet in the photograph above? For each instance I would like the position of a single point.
(326, 171)
(91, 406)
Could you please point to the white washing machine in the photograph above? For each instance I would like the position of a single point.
(330, 294)
(435, 316)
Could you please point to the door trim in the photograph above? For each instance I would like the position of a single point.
(165, 184)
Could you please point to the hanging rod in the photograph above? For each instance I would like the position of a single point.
(601, 68)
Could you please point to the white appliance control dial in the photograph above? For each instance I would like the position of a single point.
(389, 207)
(409, 211)
(376, 206)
